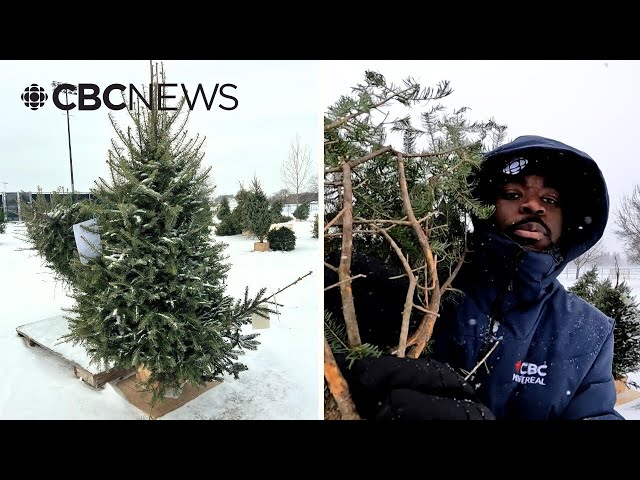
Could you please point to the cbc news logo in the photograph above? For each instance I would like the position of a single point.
(91, 96)
(34, 96)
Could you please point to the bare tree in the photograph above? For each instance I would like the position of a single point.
(313, 184)
(628, 222)
(298, 171)
(280, 195)
(591, 256)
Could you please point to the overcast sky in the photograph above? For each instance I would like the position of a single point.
(276, 101)
(590, 105)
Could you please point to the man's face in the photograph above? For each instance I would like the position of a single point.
(529, 213)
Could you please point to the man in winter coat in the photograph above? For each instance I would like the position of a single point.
(543, 353)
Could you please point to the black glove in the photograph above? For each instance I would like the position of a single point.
(392, 388)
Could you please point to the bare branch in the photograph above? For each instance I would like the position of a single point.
(426, 154)
(284, 288)
(628, 223)
(335, 219)
(422, 309)
(448, 281)
(330, 267)
(592, 256)
(337, 284)
(341, 121)
(408, 303)
(338, 385)
(481, 362)
(423, 334)
(358, 161)
(404, 274)
(344, 270)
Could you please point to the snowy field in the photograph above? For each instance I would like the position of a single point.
(284, 378)
(630, 410)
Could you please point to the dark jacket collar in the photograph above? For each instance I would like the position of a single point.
(502, 264)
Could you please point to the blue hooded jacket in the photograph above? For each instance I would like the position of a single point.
(554, 352)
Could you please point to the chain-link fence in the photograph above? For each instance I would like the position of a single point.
(11, 202)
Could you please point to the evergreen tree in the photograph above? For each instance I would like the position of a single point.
(276, 211)
(49, 230)
(241, 212)
(258, 211)
(302, 211)
(224, 211)
(155, 298)
(282, 239)
(2, 222)
(314, 230)
(616, 302)
(228, 226)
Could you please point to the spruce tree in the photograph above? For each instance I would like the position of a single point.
(616, 302)
(302, 211)
(156, 297)
(241, 212)
(276, 211)
(49, 230)
(224, 211)
(258, 211)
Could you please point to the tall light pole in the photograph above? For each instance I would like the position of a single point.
(67, 91)
(4, 201)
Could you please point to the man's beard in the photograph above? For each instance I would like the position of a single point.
(526, 242)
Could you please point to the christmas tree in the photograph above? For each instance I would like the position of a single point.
(224, 211)
(49, 225)
(616, 302)
(398, 190)
(155, 296)
(302, 211)
(258, 211)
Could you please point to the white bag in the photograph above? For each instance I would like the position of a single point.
(87, 241)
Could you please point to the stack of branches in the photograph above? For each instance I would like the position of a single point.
(410, 206)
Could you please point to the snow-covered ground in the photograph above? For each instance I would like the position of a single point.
(630, 410)
(284, 379)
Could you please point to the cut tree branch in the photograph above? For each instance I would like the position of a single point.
(423, 333)
(337, 284)
(426, 155)
(481, 361)
(447, 283)
(344, 269)
(284, 288)
(358, 161)
(342, 120)
(408, 302)
(330, 267)
(338, 385)
(334, 220)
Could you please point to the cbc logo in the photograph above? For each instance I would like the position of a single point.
(34, 96)
(524, 368)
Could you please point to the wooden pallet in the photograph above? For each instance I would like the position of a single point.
(624, 393)
(133, 390)
(46, 333)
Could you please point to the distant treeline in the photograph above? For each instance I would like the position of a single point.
(285, 197)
